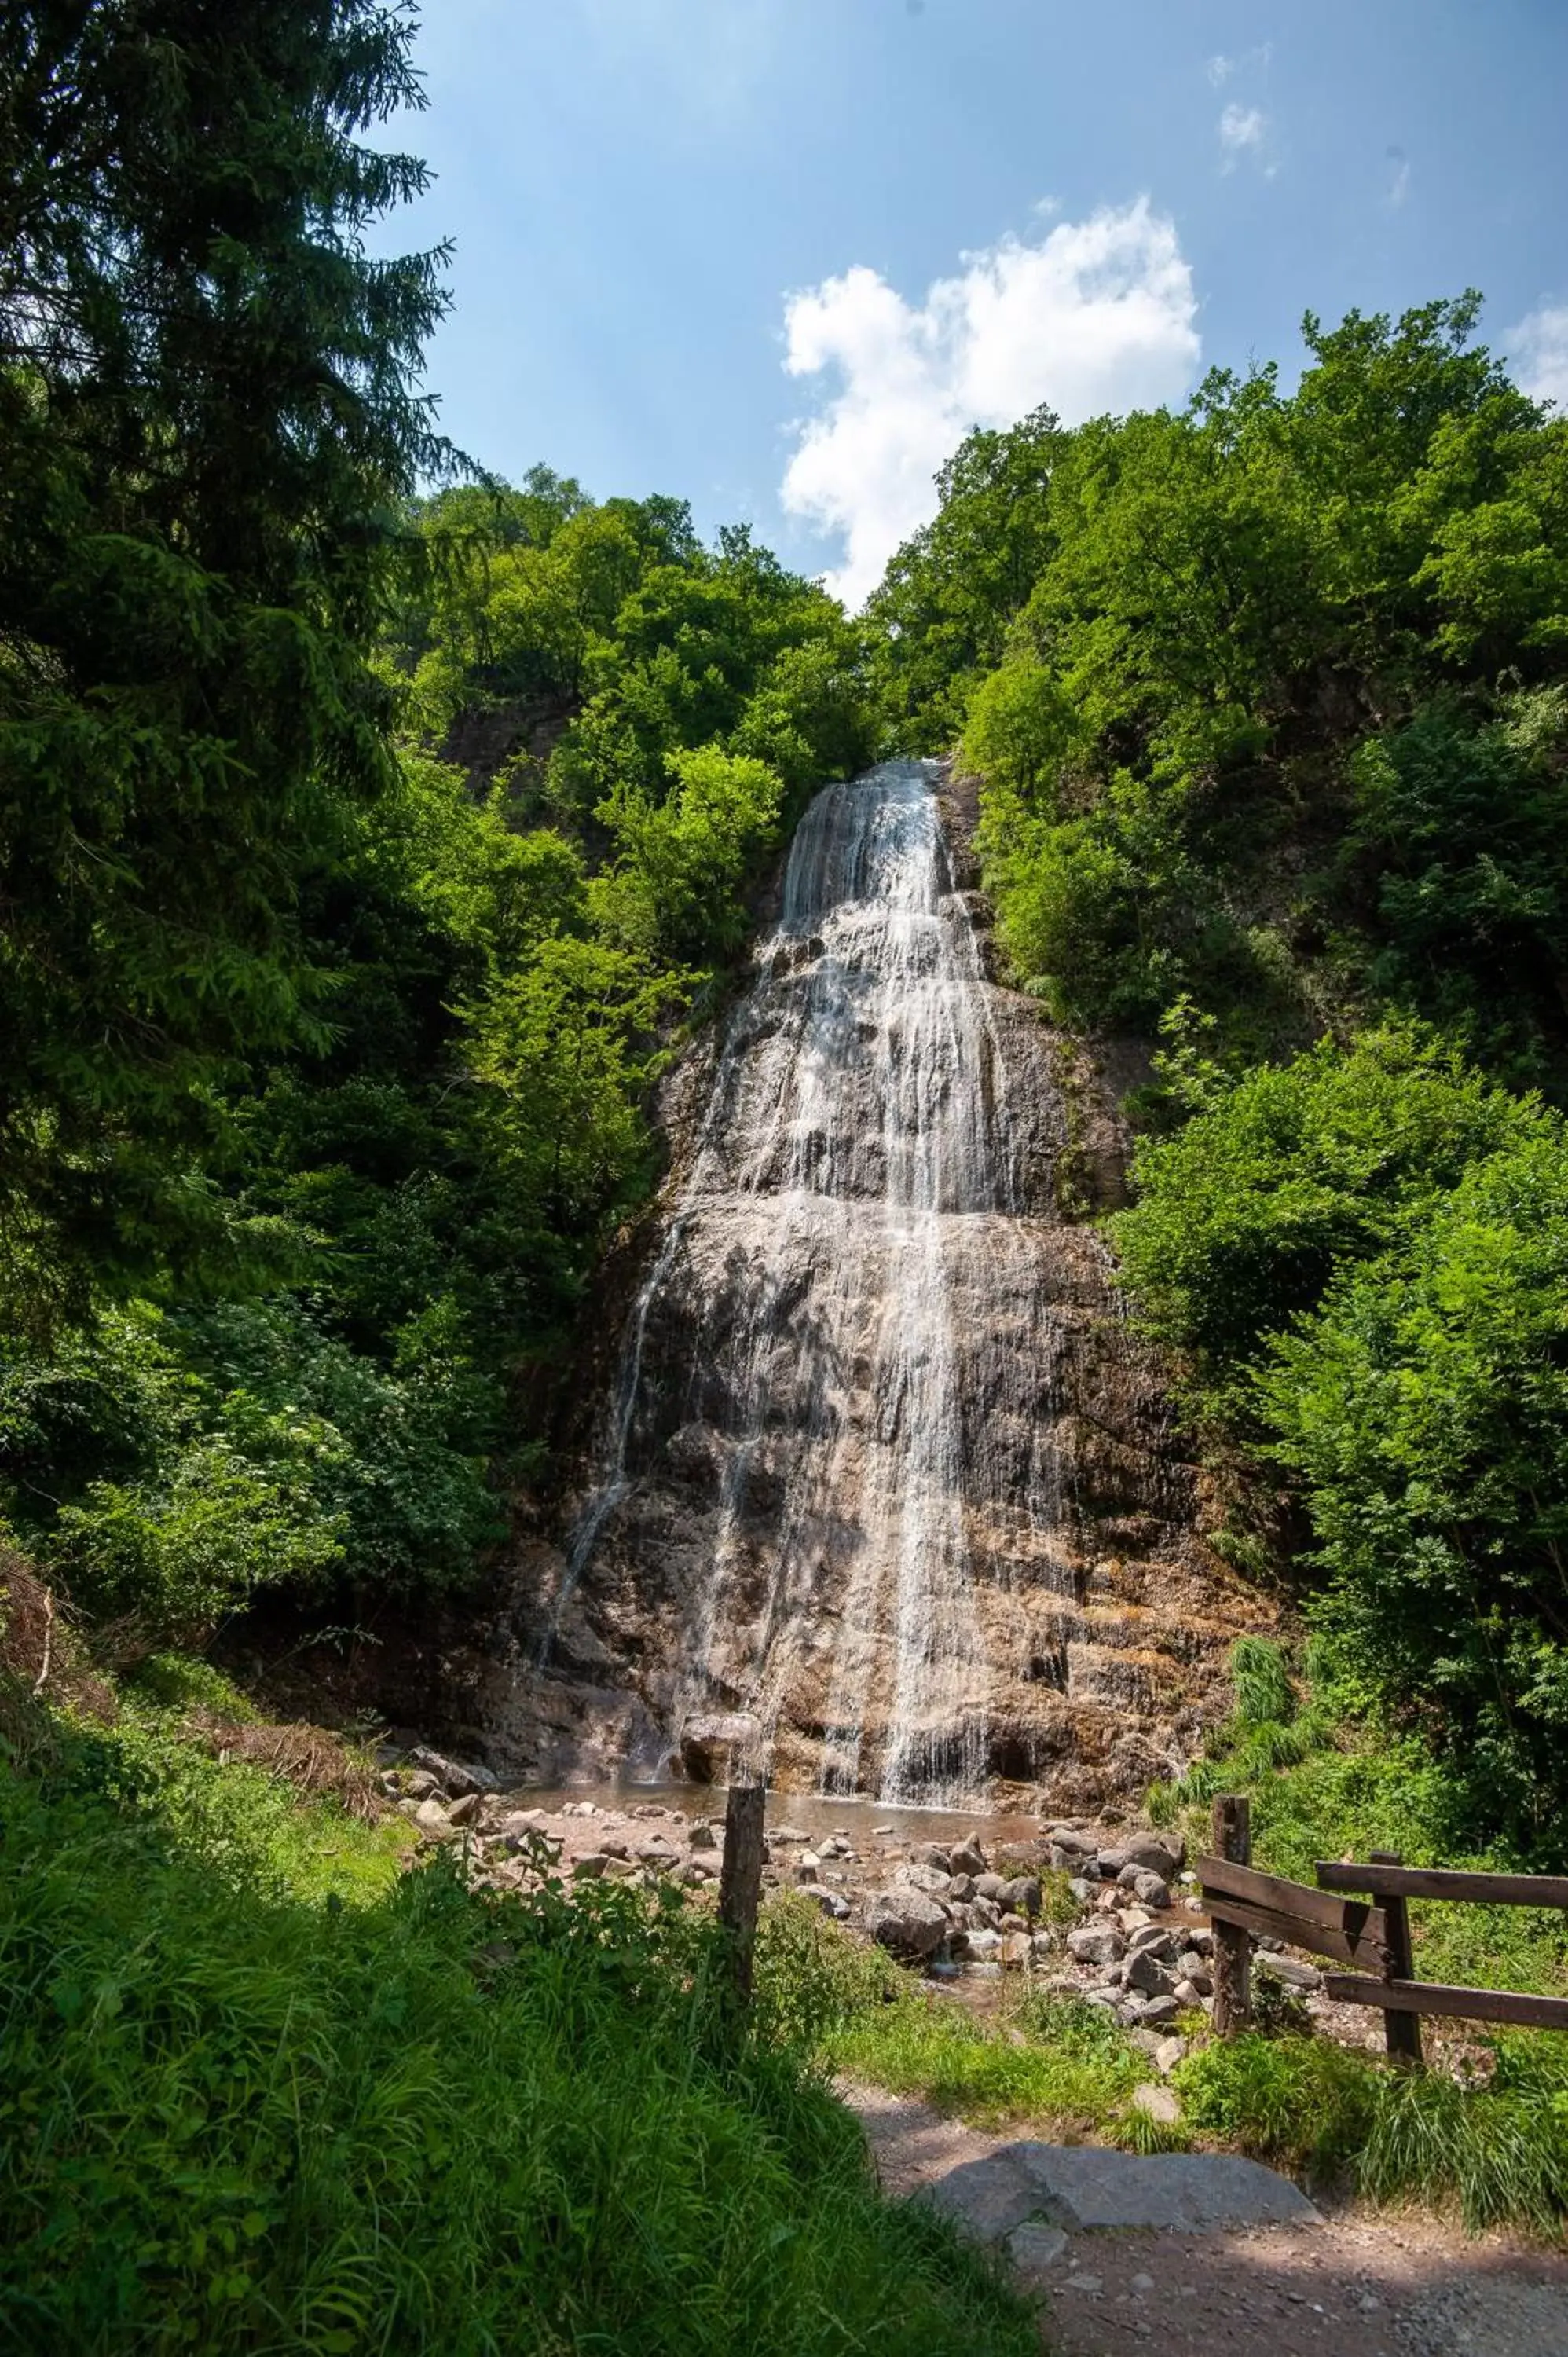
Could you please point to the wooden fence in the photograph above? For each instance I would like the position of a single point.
(1357, 1915)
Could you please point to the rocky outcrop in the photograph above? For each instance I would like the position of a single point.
(886, 1489)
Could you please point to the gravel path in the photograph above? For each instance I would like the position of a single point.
(1375, 2284)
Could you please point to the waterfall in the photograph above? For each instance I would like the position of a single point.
(857, 1114)
(881, 1468)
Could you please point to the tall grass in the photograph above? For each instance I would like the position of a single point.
(1497, 2152)
(427, 2120)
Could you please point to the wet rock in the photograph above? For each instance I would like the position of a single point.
(906, 1922)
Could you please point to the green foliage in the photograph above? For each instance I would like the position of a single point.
(1425, 1409)
(1264, 1694)
(1499, 2151)
(207, 420)
(1065, 2063)
(430, 2119)
(1243, 1215)
(1261, 695)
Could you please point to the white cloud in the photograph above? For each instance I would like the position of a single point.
(1538, 349)
(1242, 130)
(1220, 71)
(1097, 315)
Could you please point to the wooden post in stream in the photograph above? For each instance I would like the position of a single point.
(1232, 1946)
(740, 1878)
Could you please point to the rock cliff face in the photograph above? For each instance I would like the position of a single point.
(884, 1476)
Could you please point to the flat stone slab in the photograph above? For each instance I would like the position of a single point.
(1184, 2192)
(987, 2198)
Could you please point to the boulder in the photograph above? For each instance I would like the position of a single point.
(1146, 1974)
(1016, 1952)
(989, 1885)
(1151, 1889)
(1023, 1895)
(1109, 1863)
(966, 1857)
(590, 1868)
(983, 1947)
(702, 1835)
(454, 1777)
(432, 1821)
(465, 1812)
(906, 1922)
(931, 1853)
(1162, 1853)
(1094, 1943)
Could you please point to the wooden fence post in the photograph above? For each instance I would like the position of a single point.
(1232, 1946)
(1400, 2030)
(740, 1878)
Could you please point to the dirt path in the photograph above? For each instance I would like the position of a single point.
(1378, 2284)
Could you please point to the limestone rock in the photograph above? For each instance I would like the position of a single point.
(1094, 1943)
(906, 1922)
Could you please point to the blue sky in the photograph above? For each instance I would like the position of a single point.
(775, 255)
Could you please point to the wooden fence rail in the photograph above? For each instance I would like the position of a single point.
(1370, 1928)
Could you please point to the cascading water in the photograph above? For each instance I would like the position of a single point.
(872, 1382)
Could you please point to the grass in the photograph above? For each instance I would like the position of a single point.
(258, 2093)
(1497, 2152)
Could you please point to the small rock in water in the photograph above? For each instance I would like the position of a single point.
(880, 1830)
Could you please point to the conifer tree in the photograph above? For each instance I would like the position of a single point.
(208, 431)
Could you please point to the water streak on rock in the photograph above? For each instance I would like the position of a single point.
(870, 1373)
